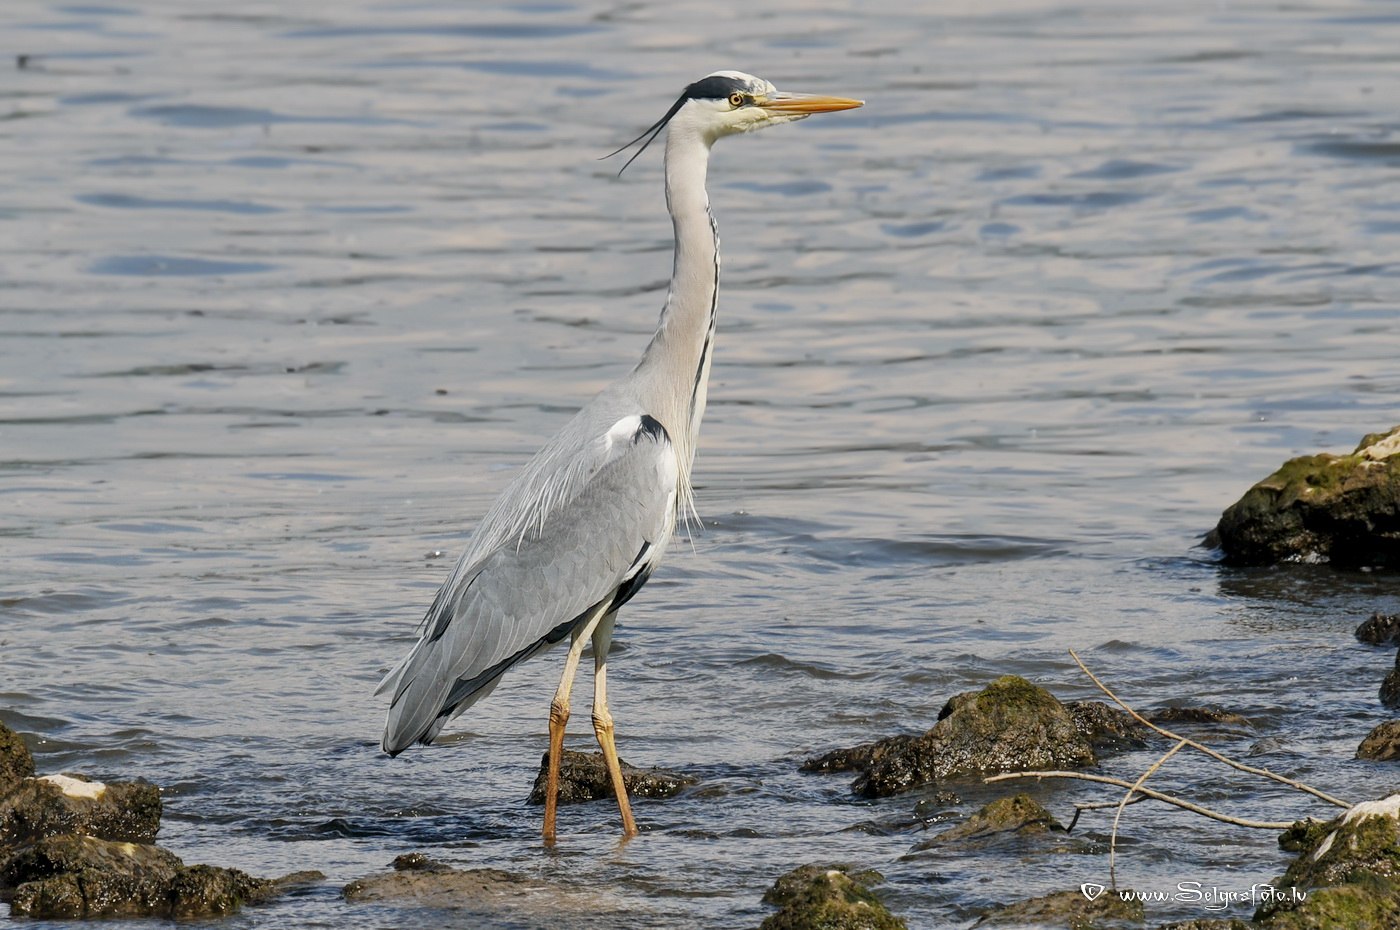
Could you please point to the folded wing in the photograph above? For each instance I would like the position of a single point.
(577, 530)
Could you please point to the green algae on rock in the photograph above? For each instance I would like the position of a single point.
(1344, 509)
(1011, 725)
(1348, 868)
(828, 897)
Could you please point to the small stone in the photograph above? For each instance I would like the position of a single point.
(584, 777)
(1018, 814)
(417, 862)
(1169, 715)
(76, 787)
(1390, 686)
(1382, 744)
(1380, 630)
(828, 897)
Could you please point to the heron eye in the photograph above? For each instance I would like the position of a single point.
(736, 100)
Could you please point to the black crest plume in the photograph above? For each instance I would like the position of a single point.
(650, 133)
(716, 86)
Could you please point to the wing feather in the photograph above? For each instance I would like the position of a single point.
(562, 540)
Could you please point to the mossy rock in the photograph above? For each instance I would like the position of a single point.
(1070, 909)
(828, 897)
(1367, 904)
(1339, 508)
(1365, 841)
(1348, 868)
(1011, 725)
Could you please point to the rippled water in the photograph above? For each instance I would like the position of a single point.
(287, 288)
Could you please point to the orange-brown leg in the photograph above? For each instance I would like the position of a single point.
(603, 722)
(559, 719)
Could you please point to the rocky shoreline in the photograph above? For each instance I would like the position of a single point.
(71, 847)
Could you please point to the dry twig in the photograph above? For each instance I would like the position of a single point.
(1118, 814)
(1264, 773)
(1154, 795)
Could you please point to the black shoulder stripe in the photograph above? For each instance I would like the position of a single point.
(650, 426)
(628, 589)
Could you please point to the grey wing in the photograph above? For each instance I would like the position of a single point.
(590, 544)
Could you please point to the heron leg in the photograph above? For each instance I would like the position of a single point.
(559, 719)
(603, 722)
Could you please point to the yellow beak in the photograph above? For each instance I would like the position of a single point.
(807, 103)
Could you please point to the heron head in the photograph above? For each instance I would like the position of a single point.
(729, 102)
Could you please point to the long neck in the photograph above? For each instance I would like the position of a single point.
(674, 373)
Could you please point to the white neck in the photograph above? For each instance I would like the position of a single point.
(674, 373)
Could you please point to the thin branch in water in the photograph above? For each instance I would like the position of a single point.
(1265, 773)
(1118, 814)
(1154, 795)
(1098, 806)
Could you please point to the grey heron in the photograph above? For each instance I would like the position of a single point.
(581, 527)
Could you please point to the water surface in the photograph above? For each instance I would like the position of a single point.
(287, 290)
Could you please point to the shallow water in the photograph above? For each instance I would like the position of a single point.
(287, 290)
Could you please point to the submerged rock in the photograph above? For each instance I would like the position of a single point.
(828, 897)
(1170, 715)
(1339, 508)
(1070, 909)
(1382, 744)
(1380, 630)
(584, 777)
(1019, 814)
(16, 764)
(417, 880)
(421, 880)
(52, 805)
(1011, 725)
